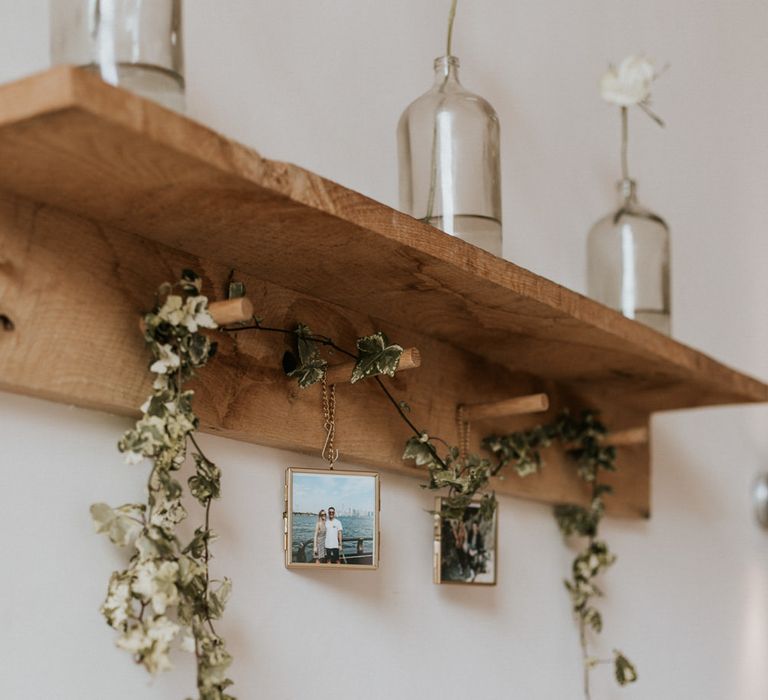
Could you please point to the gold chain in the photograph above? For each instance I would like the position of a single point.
(329, 454)
(462, 425)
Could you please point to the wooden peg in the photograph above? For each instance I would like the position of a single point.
(532, 403)
(224, 312)
(231, 310)
(629, 437)
(336, 374)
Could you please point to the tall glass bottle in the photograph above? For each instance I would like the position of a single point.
(628, 261)
(448, 148)
(136, 44)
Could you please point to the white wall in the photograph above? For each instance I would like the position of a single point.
(322, 84)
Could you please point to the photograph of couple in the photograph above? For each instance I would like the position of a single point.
(466, 548)
(328, 542)
(333, 519)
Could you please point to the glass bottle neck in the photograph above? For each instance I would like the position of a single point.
(627, 191)
(446, 70)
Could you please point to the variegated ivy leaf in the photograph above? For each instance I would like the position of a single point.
(155, 581)
(419, 451)
(593, 618)
(217, 600)
(235, 289)
(118, 605)
(196, 546)
(625, 670)
(310, 367)
(190, 282)
(213, 662)
(375, 356)
(150, 642)
(205, 483)
(122, 525)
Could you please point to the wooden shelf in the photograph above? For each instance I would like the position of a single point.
(104, 195)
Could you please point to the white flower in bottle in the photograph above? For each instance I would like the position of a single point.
(630, 83)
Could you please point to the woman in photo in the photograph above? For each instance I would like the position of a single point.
(318, 545)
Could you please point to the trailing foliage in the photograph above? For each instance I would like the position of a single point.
(165, 596)
(375, 356)
(464, 476)
(584, 441)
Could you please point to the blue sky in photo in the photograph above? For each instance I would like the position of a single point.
(315, 492)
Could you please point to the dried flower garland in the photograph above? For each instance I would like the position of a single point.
(583, 440)
(165, 596)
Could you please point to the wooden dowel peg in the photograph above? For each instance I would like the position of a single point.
(224, 312)
(628, 437)
(532, 403)
(622, 438)
(231, 310)
(336, 374)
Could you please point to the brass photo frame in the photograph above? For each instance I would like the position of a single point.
(465, 552)
(354, 498)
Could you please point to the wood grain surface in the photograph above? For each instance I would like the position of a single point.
(103, 195)
(75, 289)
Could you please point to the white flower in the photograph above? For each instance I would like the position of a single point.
(168, 360)
(157, 584)
(630, 84)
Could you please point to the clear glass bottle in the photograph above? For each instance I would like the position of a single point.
(628, 261)
(448, 148)
(136, 44)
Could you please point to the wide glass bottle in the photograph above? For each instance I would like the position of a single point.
(136, 44)
(448, 148)
(628, 261)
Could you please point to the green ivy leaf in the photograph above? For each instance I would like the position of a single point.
(217, 599)
(375, 356)
(235, 290)
(122, 525)
(419, 451)
(625, 671)
(311, 367)
(205, 483)
(190, 282)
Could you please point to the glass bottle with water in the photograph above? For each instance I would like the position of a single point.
(448, 147)
(628, 261)
(136, 44)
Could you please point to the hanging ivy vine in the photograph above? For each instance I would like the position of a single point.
(583, 439)
(166, 597)
(465, 476)
(166, 592)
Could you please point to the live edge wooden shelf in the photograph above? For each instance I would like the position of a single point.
(104, 195)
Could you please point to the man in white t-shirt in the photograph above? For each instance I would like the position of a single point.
(333, 539)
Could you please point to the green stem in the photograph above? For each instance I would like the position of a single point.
(324, 340)
(206, 553)
(624, 142)
(451, 19)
